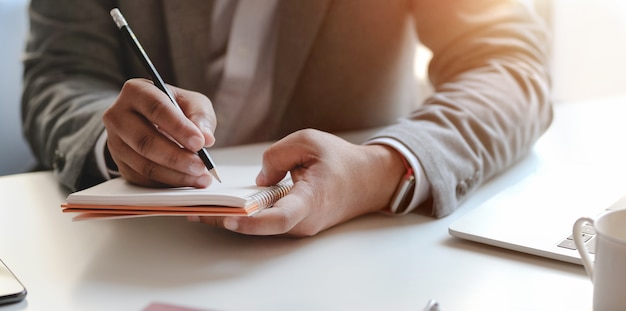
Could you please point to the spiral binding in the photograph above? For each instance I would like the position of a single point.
(265, 198)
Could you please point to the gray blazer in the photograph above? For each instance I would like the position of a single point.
(340, 65)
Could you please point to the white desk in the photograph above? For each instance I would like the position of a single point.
(372, 263)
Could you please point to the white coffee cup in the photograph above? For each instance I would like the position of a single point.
(608, 273)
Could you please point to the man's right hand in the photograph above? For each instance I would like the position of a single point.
(138, 125)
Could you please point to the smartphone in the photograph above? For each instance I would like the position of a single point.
(11, 289)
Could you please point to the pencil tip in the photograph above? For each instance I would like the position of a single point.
(214, 173)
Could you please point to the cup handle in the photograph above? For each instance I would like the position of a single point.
(580, 246)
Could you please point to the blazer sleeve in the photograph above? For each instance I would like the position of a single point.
(491, 98)
(72, 73)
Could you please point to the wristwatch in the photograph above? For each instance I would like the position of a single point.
(404, 192)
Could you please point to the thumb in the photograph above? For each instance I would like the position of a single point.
(206, 126)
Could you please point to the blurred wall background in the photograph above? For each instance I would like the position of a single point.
(15, 155)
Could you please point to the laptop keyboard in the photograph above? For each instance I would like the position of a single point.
(589, 238)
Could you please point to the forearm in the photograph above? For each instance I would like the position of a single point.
(491, 100)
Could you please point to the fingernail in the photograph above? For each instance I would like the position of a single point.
(193, 218)
(197, 169)
(207, 129)
(195, 142)
(230, 224)
(204, 181)
(260, 178)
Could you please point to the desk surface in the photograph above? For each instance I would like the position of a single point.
(375, 262)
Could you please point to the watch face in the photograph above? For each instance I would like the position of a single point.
(403, 195)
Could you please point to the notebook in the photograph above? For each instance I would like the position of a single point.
(535, 215)
(236, 195)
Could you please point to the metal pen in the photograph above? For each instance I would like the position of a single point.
(122, 24)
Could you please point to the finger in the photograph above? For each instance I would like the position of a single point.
(140, 170)
(291, 152)
(124, 121)
(213, 221)
(153, 175)
(199, 109)
(156, 107)
(282, 218)
(148, 142)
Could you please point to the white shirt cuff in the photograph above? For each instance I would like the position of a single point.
(100, 160)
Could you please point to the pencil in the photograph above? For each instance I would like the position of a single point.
(122, 24)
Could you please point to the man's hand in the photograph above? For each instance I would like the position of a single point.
(144, 154)
(334, 181)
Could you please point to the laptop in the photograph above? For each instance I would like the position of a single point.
(536, 213)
